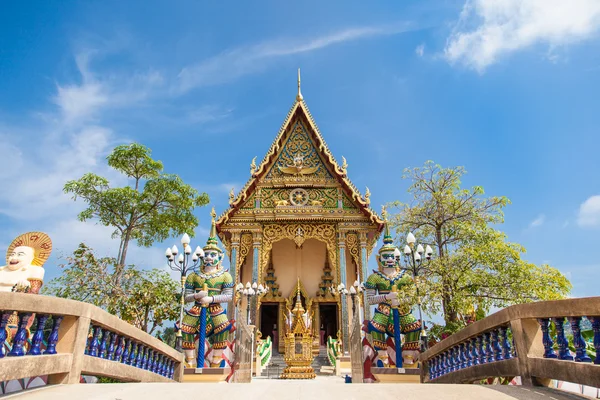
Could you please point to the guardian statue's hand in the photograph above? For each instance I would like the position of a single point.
(395, 302)
(206, 300)
(200, 295)
(391, 296)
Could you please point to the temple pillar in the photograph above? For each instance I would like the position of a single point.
(364, 270)
(256, 248)
(342, 266)
(233, 267)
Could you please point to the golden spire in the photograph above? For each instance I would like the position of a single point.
(299, 95)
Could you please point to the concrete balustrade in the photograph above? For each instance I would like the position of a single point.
(84, 340)
(516, 341)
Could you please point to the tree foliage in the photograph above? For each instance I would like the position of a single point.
(475, 267)
(145, 299)
(155, 206)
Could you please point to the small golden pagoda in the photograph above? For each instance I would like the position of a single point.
(298, 342)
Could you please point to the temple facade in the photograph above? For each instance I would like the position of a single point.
(300, 225)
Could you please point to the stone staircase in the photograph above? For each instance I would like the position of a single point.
(277, 364)
(321, 363)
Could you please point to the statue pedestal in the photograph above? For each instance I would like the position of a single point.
(397, 375)
(205, 374)
(343, 365)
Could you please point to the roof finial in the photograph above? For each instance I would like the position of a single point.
(299, 95)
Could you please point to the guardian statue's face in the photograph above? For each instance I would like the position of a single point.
(21, 257)
(212, 258)
(387, 259)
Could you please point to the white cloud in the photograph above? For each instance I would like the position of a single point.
(589, 212)
(489, 29)
(539, 221)
(420, 50)
(238, 62)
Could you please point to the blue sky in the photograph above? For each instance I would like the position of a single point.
(507, 89)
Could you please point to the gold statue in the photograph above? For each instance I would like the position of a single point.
(298, 168)
(25, 258)
(298, 342)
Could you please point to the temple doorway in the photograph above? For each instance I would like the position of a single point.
(329, 322)
(268, 322)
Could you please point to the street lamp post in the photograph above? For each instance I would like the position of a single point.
(355, 290)
(414, 263)
(181, 263)
(250, 290)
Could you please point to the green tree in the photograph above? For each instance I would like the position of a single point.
(155, 206)
(475, 266)
(145, 299)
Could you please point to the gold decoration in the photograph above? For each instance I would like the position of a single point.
(253, 166)
(231, 196)
(298, 168)
(299, 197)
(281, 203)
(275, 232)
(298, 339)
(353, 246)
(38, 241)
(344, 165)
(368, 196)
(245, 247)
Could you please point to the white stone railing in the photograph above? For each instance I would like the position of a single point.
(84, 340)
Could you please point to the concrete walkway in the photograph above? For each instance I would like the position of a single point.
(323, 388)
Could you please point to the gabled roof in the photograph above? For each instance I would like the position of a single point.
(301, 110)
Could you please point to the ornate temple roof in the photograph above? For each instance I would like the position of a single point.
(300, 114)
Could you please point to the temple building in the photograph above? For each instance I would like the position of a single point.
(299, 225)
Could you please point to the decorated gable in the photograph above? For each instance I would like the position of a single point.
(298, 158)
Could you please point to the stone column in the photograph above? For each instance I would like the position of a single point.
(256, 248)
(233, 267)
(342, 266)
(364, 271)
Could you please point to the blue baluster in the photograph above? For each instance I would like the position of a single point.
(125, 356)
(53, 338)
(561, 339)
(462, 356)
(18, 347)
(119, 350)
(506, 351)
(172, 369)
(450, 360)
(482, 349)
(160, 364)
(474, 353)
(445, 363)
(578, 342)
(131, 360)
(104, 343)
(139, 356)
(110, 354)
(3, 322)
(546, 339)
(38, 336)
(489, 354)
(496, 346)
(596, 328)
(145, 358)
(437, 365)
(455, 359)
(152, 361)
(468, 355)
(95, 342)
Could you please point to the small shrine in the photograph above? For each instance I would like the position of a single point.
(298, 341)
